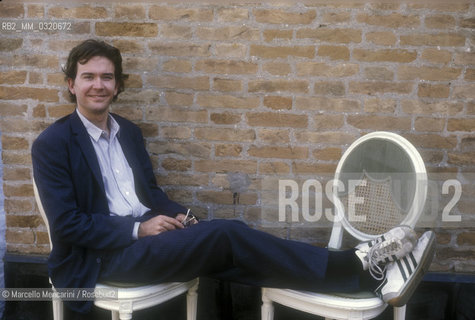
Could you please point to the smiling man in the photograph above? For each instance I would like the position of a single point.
(94, 88)
(110, 221)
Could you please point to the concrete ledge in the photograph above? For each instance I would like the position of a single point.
(440, 296)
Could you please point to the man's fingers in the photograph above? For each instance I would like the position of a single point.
(167, 223)
(158, 225)
(170, 223)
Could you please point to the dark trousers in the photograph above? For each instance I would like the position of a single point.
(228, 250)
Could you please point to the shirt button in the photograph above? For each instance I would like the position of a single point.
(117, 171)
(127, 192)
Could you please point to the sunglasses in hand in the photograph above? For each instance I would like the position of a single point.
(189, 219)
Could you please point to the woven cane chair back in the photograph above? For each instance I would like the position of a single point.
(381, 182)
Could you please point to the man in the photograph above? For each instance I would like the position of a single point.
(110, 221)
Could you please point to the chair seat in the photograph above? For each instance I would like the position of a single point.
(140, 297)
(361, 305)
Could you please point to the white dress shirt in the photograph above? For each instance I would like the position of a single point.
(117, 175)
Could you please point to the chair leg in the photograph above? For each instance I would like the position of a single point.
(192, 303)
(58, 309)
(267, 309)
(125, 310)
(400, 313)
(115, 315)
(125, 316)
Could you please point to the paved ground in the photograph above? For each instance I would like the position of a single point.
(223, 301)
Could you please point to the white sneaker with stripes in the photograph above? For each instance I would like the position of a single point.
(404, 275)
(391, 246)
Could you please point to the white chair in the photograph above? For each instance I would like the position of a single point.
(391, 179)
(131, 297)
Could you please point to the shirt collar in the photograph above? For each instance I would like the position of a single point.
(95, 132)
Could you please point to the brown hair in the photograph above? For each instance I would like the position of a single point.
(88, 49)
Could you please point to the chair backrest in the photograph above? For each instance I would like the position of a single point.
(380, 182)
(42, 211)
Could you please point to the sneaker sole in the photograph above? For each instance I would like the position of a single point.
(400, 299)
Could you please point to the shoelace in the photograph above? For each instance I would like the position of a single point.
(378, 253)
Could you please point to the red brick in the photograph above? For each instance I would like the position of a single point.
(278, 152)
(269, 119)
(126, 29)
(334, 52)
(177, 65)
(227, 101)
(23, 221)
(325, 70)
(428, 73)
(384, 55)
(169, 13)
(329, 88)
(180, 49)
(225, 134)
(235, 33)
(14, 143)
(273, 34)
(224, 166)
(172, 82)
(273, 136)
(439, 40)
(393, 20)
(379, 122)
(225, 118)
(10, 44)
(84, 12)
(232, 14)
(298, 86)
(12, 10)
(132, 12)
(278, 102)
(17, 93)
(13, 77)
(228, 150)
(331, 35)
(327, 104)
(184, 149)
(461, 125)
(274, 52)
(370, 88)
(283, 16)
(226, 67)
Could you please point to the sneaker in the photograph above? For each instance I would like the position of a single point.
(391, 246)
(404, 275)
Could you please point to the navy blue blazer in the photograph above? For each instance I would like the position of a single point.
(71, 189)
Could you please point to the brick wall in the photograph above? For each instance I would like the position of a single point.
(261, 90)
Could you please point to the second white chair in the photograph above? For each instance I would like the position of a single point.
(392, 180)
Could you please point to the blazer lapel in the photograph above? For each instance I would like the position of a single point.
(84, 141)
(129, 148)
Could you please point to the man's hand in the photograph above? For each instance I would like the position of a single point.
(190, 219)
(158, 225)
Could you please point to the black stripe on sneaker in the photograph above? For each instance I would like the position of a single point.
(401, 270)
(381, 286)
(394, 257)
(408, 266)
(413, 259)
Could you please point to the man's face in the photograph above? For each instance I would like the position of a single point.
(94, 86)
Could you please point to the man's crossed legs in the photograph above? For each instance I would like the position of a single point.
(230, 250)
